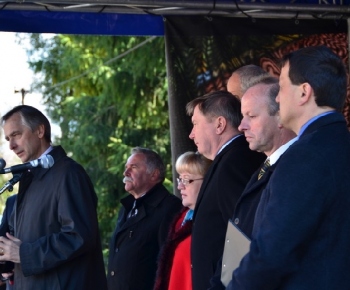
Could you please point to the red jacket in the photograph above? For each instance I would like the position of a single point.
(174, 264)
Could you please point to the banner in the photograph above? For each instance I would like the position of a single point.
(202, 53)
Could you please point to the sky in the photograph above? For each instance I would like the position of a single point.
(15, 74)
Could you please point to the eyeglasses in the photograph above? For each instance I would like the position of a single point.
(186, 182)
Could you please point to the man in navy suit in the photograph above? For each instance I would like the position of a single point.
(301, 231)
(216, 117)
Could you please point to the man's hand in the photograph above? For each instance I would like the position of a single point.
(9, 248)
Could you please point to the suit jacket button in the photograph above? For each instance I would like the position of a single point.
(112, 273)
(236, 221)
(117, 250)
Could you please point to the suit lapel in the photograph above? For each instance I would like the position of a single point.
(155, 196)
(141, 214)
(255, 183)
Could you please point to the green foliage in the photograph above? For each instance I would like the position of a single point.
(104, 107)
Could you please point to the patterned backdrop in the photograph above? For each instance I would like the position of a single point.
(202, 52)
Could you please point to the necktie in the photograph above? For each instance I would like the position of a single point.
(133, 211)
(263, 169)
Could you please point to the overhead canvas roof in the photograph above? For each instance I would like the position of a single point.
(145, 17)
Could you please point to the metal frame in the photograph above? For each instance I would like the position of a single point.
(230, 8)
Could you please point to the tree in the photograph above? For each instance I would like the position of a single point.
(105, 104)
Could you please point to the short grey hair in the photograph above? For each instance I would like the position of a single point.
(250, 75)
(153, 161)
(31, 117)
(272, 92)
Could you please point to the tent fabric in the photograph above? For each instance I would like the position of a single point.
(144, 17)
(81, 23)
(202, 53)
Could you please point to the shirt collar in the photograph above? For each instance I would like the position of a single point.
(48, 150)
(227, 143)
(307, 124)
(277, 154)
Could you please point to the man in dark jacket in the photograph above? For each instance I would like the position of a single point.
(301, 231)
(262, 129)
(216, 117)
(264, 133)
(54, 243)
(143, 223)
(6, 268)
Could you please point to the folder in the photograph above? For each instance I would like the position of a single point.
(236, 247)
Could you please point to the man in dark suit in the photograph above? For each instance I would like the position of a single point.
(143, 223)
(264, 133)
(301, 231)
(216, 117)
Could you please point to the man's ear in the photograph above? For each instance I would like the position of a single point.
(220, 124)
(155, 175)
(41, 131)
(306, 93)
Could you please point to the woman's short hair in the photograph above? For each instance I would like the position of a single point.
(192, 162)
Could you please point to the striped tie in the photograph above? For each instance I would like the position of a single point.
(263, 169)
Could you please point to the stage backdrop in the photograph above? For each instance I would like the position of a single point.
(202, 52)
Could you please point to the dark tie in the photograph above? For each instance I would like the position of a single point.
(264, 168)
(133, 211)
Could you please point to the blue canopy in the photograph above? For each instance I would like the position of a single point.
(81, 23)
(145, 17)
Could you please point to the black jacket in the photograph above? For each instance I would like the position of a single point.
(56, 220)
(222, 186)
(136, 242)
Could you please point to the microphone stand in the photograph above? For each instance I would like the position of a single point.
(9, 184)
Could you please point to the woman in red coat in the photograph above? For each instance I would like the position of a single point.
(174, 265)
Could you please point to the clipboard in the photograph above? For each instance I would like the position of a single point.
(237, 245)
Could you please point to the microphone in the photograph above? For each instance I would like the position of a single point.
(45, 162)
(2, 163)
(9, 184)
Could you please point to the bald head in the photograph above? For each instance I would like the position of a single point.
(245, 77)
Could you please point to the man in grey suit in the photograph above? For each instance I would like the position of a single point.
(301, 233)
